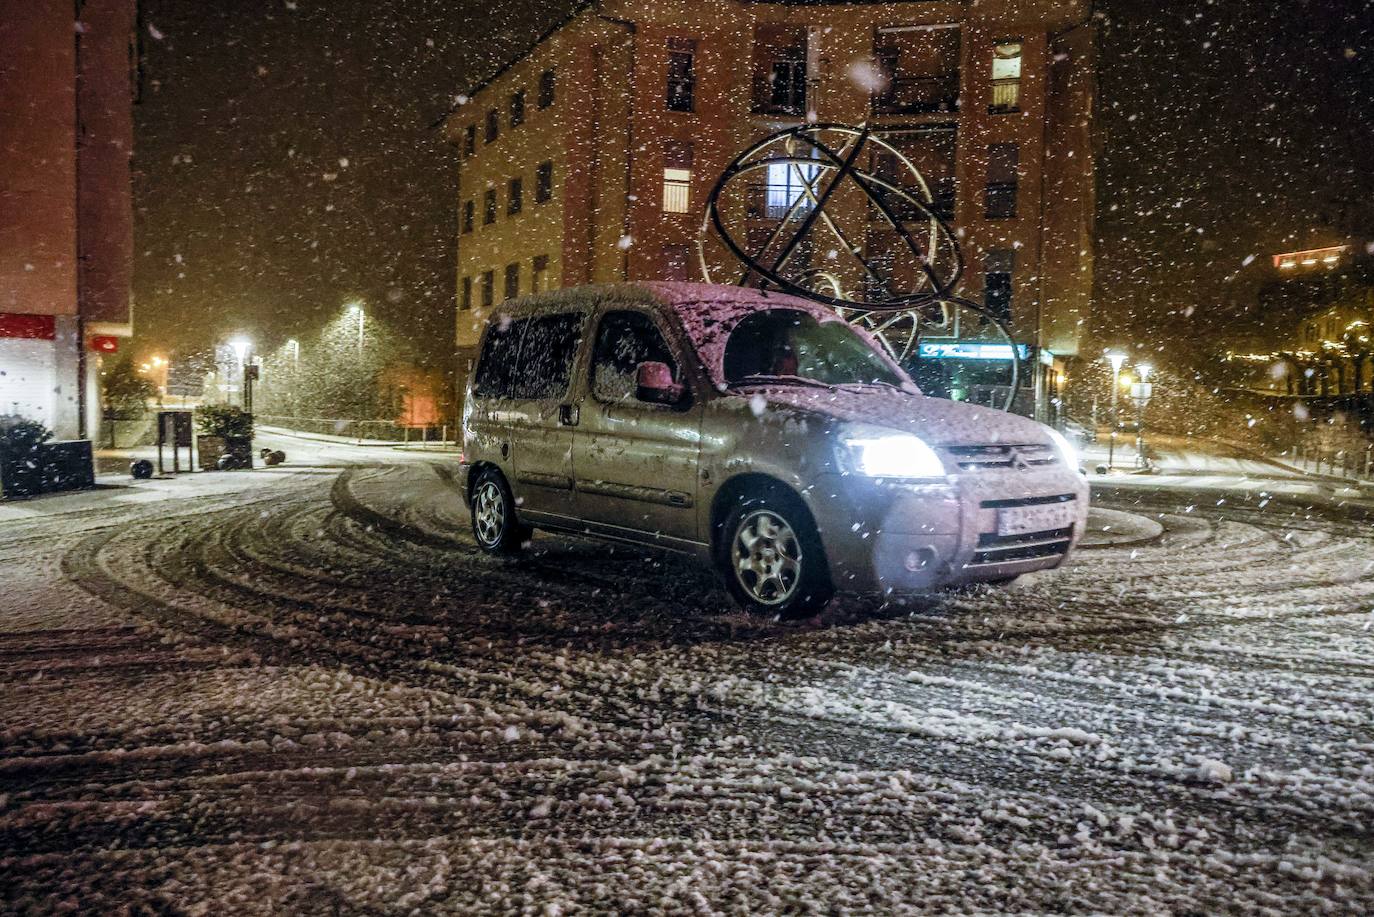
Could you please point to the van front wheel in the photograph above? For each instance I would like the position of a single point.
(772, 560)
(494, 523)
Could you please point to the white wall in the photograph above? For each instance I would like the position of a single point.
(28, 379)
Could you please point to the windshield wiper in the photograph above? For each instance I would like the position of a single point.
(769, 379)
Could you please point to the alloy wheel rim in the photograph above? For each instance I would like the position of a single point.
(491, 513)
(766, 558)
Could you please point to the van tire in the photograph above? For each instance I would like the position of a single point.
(771, 558)
(495, 526)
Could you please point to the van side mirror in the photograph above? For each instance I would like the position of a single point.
(654, 383)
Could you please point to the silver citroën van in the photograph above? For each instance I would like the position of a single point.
(759, 432)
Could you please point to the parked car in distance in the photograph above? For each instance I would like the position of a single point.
(759, 432)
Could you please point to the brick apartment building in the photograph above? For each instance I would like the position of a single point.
(590, 156)
(67, 78)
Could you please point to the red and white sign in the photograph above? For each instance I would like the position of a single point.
(31, 327)
(103, 343)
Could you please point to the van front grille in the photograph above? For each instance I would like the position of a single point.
(1023, 456)
(1000, 549)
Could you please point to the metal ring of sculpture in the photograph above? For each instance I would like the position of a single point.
(895, 318)
(830, 153)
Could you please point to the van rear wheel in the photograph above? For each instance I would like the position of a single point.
(771, 559)
(495, 525)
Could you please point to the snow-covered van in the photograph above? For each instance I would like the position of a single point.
(759, 432)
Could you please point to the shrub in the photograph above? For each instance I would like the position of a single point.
(20, 437)
(228, 421)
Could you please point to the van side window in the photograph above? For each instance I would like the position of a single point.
(496, 373)
(546, 356)
(625, 340)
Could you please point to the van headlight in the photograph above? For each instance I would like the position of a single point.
(1066, 450)
(890, 455)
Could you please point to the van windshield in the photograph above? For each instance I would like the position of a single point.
(788, 346)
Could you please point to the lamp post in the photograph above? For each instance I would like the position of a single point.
(358, 308)
(1140, 393)
(242, 348)
(1116, 358)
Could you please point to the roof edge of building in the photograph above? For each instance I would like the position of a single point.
(506, 67)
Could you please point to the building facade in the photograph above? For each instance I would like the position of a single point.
(590, 157)
(68, 73)
(1314, 331)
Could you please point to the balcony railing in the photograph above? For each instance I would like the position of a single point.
(912, 95)
(773, 202)
(1006, 96)
(942, 202)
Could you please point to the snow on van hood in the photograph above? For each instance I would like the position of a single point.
(709, 312)
(937, 421)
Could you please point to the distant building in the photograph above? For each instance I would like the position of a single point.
(1314, 330)
(67, 82)
(589, 157)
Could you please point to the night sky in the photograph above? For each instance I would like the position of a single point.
(285, 160)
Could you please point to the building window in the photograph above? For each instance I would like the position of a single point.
(469, 214)
(466, 302)
(997, 283)
(493, 126)
(779, 69)
(921, 69)
(677, 176)
(1000, 195)
(1006, 77)
(469, 140)
(787, 83)
(488, 288)
(546, 89)
(489, 207)
(676, 260)
(512, 281)
(681, 74)
(543, 182)
(517, 108)
(514, 197)
(787, 183)
(539, 275)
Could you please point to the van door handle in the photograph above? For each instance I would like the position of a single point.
(568, 415)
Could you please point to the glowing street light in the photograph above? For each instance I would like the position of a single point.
(357, 307)
(1116, 358)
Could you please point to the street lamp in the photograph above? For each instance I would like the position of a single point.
(358, 308)
(242, 347)
(1116, 358)
(1140, 393)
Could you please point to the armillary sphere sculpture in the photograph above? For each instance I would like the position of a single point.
(796, 209)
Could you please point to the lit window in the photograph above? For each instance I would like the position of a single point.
(676, 186)
(787, 184)
(1006, 77)
(677, 176)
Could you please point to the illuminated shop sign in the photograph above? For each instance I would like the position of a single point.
(967, 350)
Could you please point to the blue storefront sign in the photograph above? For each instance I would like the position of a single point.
(968, 350)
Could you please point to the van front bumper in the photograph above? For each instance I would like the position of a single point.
(893, 537)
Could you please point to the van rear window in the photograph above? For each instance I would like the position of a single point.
(496, 367)
(529, 358)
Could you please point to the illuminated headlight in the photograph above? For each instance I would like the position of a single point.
(1066, 450)
(891, 455)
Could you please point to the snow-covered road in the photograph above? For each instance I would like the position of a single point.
(308, 693)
